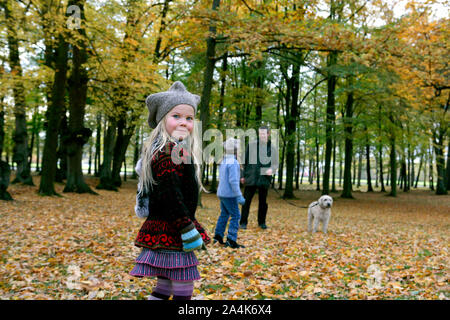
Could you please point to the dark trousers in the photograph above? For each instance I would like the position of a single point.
(249, 192)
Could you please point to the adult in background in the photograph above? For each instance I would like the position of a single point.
(261, 162)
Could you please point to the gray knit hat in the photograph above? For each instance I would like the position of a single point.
(159, 104)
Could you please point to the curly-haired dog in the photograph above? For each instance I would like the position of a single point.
(319, 211)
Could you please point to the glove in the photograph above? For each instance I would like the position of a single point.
(241, 200)
(192, 240)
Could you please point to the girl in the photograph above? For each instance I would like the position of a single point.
(230, 195)
(168, 190)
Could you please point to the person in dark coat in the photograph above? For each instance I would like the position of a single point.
(261, 162)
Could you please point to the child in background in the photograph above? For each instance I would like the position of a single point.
(168, 191)
(230, 195)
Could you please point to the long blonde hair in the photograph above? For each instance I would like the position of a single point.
(159, 137)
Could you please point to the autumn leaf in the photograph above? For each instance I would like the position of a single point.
(81, 247)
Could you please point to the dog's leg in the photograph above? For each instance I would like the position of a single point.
(309, 220)
(325, 224)
(316, 224)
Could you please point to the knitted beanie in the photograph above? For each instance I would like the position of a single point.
(231, 145)
(159, 104)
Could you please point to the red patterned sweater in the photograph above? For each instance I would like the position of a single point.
(172, 203)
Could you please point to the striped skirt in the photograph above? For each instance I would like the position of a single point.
(174, 265)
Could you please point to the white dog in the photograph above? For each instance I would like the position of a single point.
(320, 211)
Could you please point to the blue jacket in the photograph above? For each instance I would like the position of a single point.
(229, 177)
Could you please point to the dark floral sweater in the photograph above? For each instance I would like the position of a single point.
(172, 203)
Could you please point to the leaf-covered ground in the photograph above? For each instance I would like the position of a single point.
(81, 247)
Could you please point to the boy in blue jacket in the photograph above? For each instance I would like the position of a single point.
(230, 195)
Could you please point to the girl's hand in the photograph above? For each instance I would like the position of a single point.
(192, 240)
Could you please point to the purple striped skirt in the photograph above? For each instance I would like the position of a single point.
(174, 265)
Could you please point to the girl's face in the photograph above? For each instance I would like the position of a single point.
(180, 121)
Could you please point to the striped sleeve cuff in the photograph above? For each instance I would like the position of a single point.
(190, 235)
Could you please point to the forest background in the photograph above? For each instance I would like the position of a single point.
(358, 90)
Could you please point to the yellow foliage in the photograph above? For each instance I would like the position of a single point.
(81, 247)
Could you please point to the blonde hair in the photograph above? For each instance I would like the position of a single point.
(159, 137)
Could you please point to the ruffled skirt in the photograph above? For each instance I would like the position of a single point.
(174, 265)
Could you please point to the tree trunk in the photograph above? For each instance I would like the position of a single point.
(376, 170)
(404, 176)
(5, 171)
(430, 178)
(90, 159)
(340, 164)
(411, 173)
(348, 128)
(259, 97)
(125, 169)
(290, 134)
(425, 168)
(78, 134)
(441, 188)
(208, 74)
(359, 166)
(61, 171)
(316, 140)
(120, 148)
(303, 171)
(2, 126)
(20, 137)
(281, 167)
(219, 124)
(330, 119)
(418, 172)
(98, 145)
(106, 181)
(38, 153)
(54, 114)
(287, 113)
(333, 180)
(207, 173)
(430, 168)
(369, 180)
(297, 166)
(393, 168)
(388, 178)
(34, 133)
(448, 165)
(162, 27)
(380, 152)
(317, 165)
(136, 152)
(208, 79)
